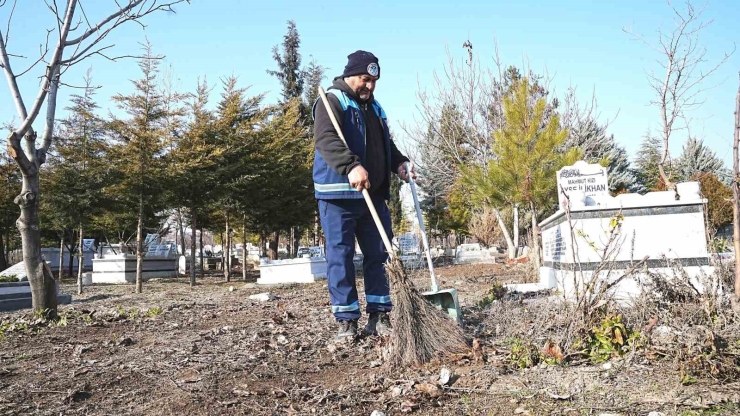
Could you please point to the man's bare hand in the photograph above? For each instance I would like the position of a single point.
(405, 175)
(358, 178)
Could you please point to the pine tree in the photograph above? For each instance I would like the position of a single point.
(284, 185)
(194, 165)
(77, 171)
(646, 164)
(395, 206)
(237, 116)
(527, 158)
(292, 79)
(289, 64)
(314, 75)
(697, 158)
(597, 147)
(139, 150)
(10, 186)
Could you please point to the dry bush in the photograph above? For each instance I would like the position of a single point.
(690, 321)
(484, 226)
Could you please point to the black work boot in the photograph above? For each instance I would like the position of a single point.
(378, 324)
(347, 330)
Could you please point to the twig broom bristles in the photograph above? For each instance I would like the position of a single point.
(421, 332)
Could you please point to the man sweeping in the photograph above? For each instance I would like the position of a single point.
(340, 174)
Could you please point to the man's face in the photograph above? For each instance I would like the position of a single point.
(362, 85)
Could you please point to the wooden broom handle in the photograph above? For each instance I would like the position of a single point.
(365, 194)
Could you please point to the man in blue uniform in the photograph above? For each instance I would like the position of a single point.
(340, 174)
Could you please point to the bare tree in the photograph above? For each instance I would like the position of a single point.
(684, 59)
(736, 200)
(76, 40)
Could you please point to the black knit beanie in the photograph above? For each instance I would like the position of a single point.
(361, 62)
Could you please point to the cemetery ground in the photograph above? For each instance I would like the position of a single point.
(213, 350)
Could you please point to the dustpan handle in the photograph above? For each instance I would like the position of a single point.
(368, 200)
(420, 217)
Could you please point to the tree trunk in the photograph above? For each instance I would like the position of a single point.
(71, 257)
(202, 270)
(296, 240)
(509, 243)
(192, 252)
(139, 243)
(535, 239)
(244, 248)
(181, 224)
(516, 230)
(7, 242)
(736, 201)
(223, 243)
(80, 263)
(263, 243)
(43, 285)
(291, 252)
(316, 230)
(274, 244)
(227, 251)
(3, 257)
(61, 257)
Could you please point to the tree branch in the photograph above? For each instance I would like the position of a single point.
(51, 69)
(122, 16)
(51, 107)
(7, 31)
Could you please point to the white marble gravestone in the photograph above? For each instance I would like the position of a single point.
(581, 182)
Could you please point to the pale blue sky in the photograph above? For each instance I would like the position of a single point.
(576, 41)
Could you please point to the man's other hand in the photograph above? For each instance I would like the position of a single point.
(358, 178)
(405, 175)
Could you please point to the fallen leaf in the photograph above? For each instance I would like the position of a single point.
(558, 397)
(430, 389)
(477, 350)
(188, 376)
(651, 323)
(552, 350)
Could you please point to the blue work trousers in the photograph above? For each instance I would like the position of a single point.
(342, 221)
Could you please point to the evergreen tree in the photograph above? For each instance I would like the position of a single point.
(284, 186)
(597, 147)
(138, 154)
(697, 158)
(527, 158)
(292, 79)
(314, 75)
(719, 200)
(237, 117)
(646, 164)
(289, 64)
(77, 172)
(395, 206)
(194, 165)
(10, 186)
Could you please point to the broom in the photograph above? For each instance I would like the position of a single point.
(421, 332)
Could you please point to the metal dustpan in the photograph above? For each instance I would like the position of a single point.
(445, 299)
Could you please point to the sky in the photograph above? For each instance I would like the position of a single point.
(576, 42)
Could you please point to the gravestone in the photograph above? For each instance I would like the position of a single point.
(182, 265)
(88, 244)
(581, 181)
(18, 270)
(152, 250)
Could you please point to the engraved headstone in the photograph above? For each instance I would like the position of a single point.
(581, 181)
